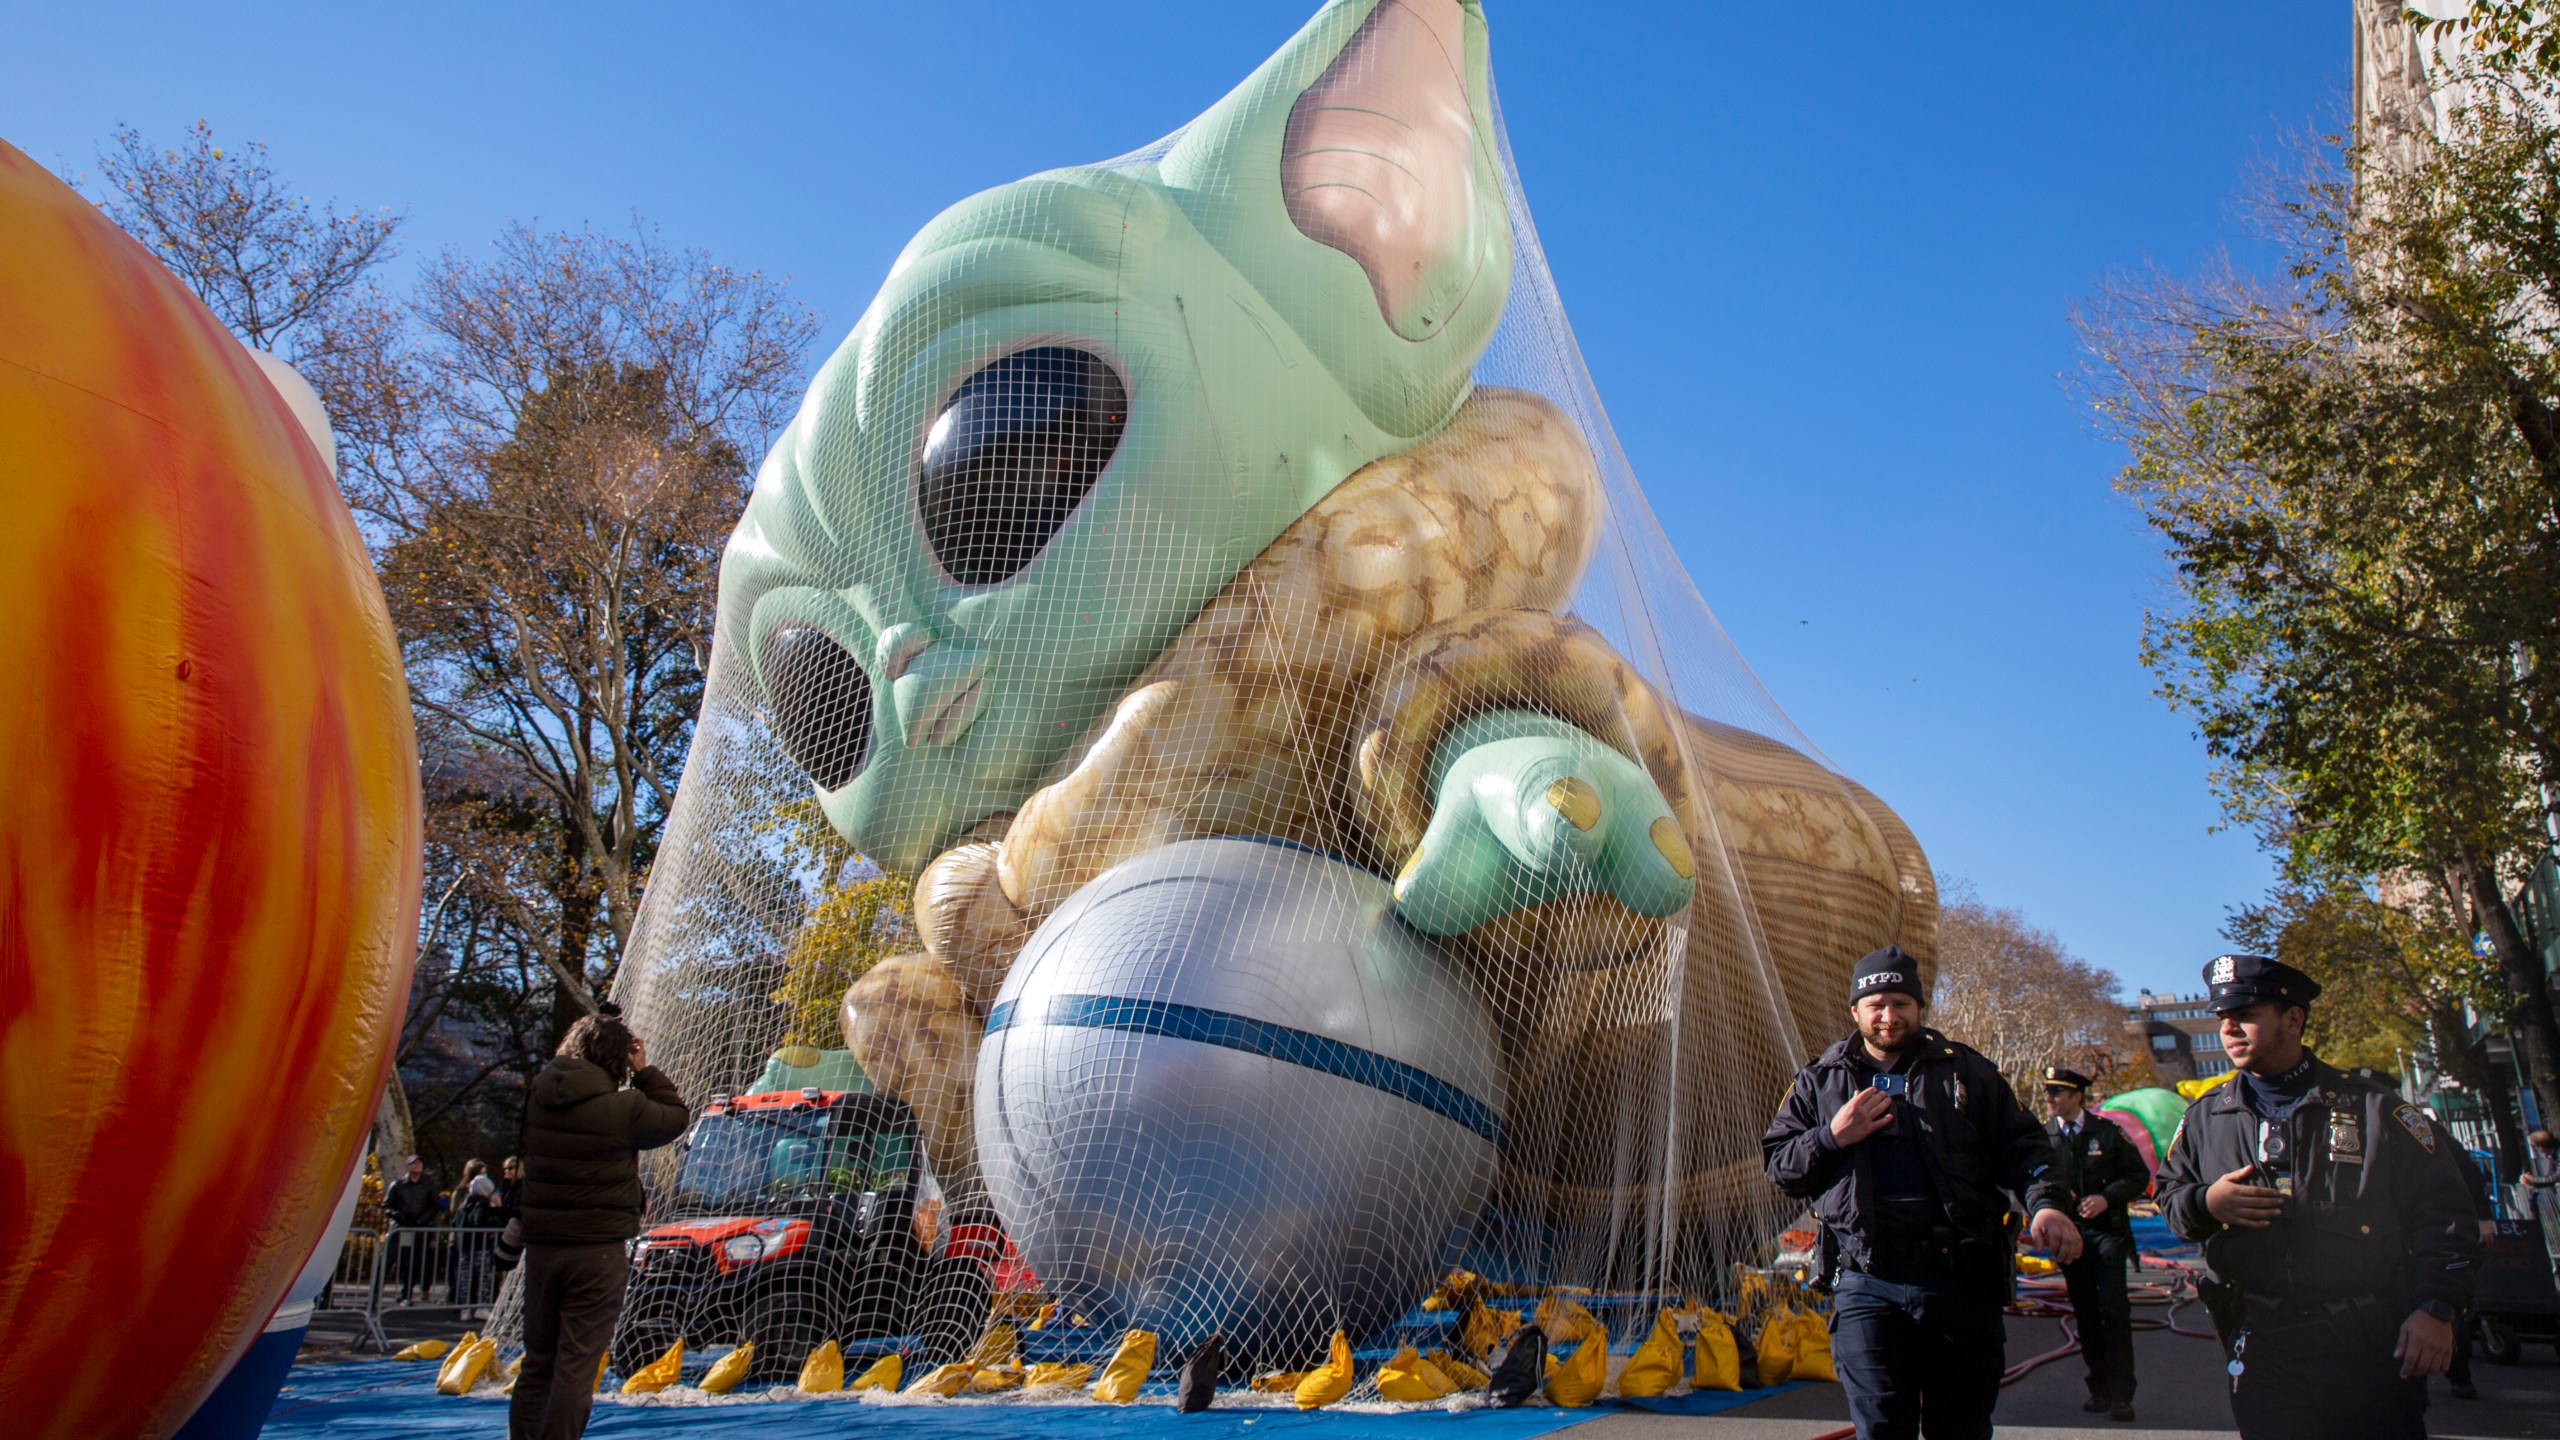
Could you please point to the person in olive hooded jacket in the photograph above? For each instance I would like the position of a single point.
(581, 1201)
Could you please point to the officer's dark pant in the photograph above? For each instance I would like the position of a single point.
(2103, 1312)
(2310, 1387)
(1918, 1359)
(572, 1297)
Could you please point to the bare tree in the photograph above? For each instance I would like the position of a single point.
(545, 447)
(549, 446)
(2014, 993)
(268, 262)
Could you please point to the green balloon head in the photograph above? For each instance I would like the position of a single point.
(1081, 403)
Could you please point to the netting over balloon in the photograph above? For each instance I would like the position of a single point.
(1344, 849)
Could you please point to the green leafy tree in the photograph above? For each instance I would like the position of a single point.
(858, 922)
(2397, 974)
(2356, 469)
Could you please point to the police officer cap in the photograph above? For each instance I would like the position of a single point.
(1886, 970)
(2243, 980)
(2065, 1076)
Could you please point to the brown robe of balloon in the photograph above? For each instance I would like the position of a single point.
(1304, 703)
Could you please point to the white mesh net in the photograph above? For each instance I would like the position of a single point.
(1345, 850)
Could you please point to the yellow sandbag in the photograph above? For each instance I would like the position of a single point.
(996, 1379)
(1484, 1328)
(948, 1379)
(1279, 1382)
(729, 1369)
(1128, 1368)
(1813, 1349)
(884, 1374)
(999, 1346)
(1567, 1323)
(658, 1374)
(1777, 1348)
(1655, 1367)
(423, 1350)
(1464, 1375)
(1719, 1358)
(1452, 1292)
(453, 1357)
(823, 1372)
(2036, 1265)
(507, 1382)
(1047, 1313)
(1052, 1375)
(1409, 1378)
(1577, 1381)
(1329, 1381)
(468, 1364)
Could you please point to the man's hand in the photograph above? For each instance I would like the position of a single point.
(2092, 1206)
(2053, 1231)
(2426, 1345)
(2250, 1207)
(639, 1054)
(1867, 1112)
(2488, 1231)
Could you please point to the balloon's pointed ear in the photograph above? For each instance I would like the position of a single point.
(1379, 162)
(1352, 180)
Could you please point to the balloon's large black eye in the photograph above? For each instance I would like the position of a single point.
(821, 703)
(1013, 455)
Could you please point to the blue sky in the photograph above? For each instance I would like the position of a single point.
(1820, 269)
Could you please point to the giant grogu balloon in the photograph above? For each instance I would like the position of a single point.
(1245, 486)
(208, 832)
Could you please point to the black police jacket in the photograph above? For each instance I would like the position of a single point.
(2101, 1161)
(2378, 1207)
(1980, 1143)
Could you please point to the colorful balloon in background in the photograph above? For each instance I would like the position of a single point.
(2149, 1118)
(209, 832)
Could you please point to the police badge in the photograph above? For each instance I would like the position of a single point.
(2346, 1138)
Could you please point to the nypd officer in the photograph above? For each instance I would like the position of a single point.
(1904, 1141)
(2101, 1175)
(2338, 1238)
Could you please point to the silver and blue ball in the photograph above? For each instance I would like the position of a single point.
(1224, 1090)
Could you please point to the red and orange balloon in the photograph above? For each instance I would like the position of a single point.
(208, 832)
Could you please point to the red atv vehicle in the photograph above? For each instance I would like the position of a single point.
(792, 1223)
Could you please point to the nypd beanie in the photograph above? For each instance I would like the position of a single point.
(1884, 970)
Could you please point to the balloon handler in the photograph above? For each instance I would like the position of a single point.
(2337, 1234)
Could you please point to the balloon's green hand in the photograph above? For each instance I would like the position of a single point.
(1532, 810)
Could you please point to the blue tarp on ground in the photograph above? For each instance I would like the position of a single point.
(393, 1398)
(2151, 1233)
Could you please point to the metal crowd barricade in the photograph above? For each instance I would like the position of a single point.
(413, 1267)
